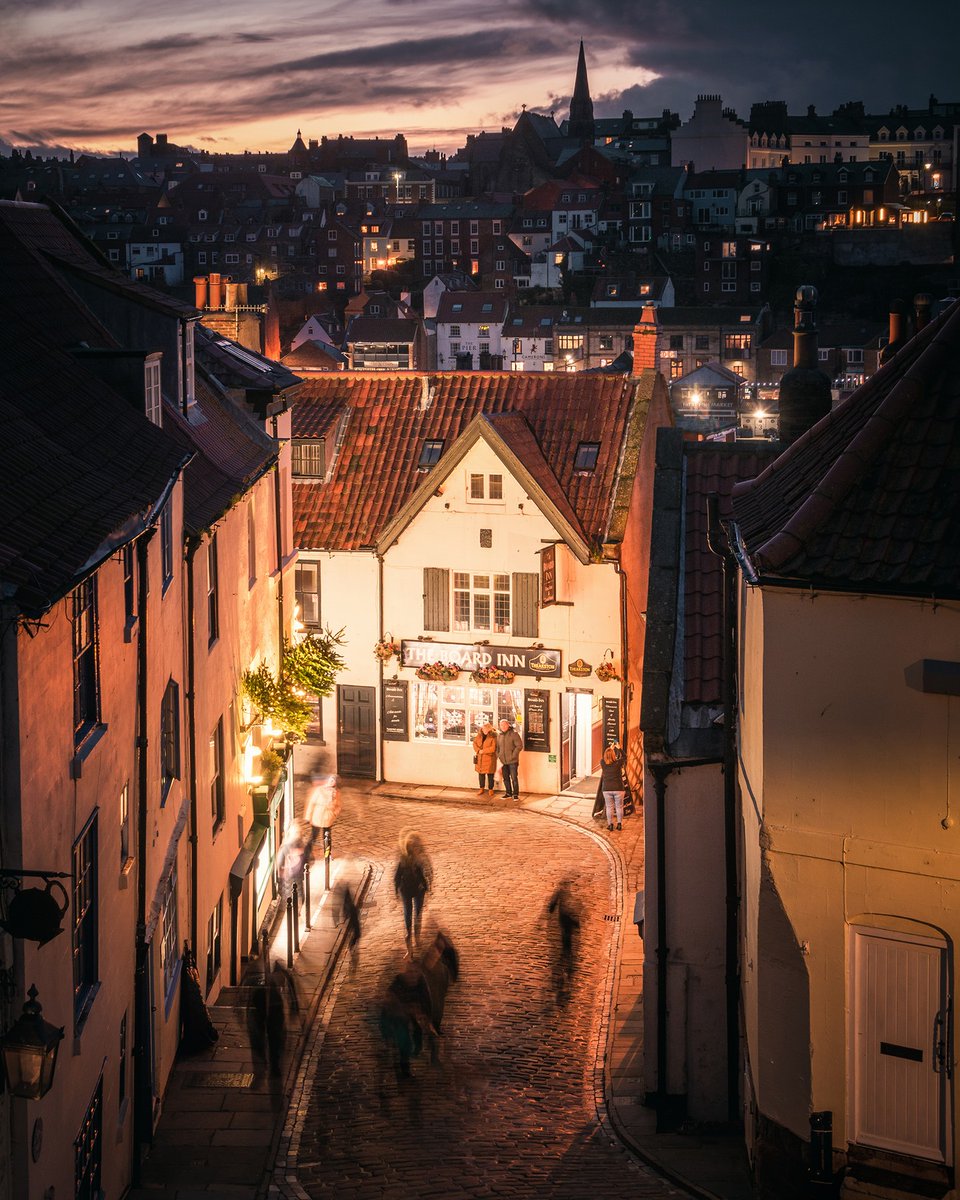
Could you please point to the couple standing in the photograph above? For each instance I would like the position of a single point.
(489, 746)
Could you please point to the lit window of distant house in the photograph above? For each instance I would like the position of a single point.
(85, 919)
(169, 738)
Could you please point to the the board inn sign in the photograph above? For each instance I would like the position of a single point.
(468, 657)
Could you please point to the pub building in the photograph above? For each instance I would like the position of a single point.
(479, 574)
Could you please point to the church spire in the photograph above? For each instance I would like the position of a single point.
(581, 123)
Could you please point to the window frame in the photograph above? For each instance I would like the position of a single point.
(218, 796)
(85, 919)
(213, 591)
(86, 659)
(169, 742)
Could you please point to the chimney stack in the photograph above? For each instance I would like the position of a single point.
(804, 389)
(898, 330)
(646, 341)
(200, 284)
(921, 310)
(215, 299)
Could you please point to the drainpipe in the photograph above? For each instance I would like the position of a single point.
(278, 520)
(719, 545)
(142, 1052)
(624, 660)
(660, 773)
(380, 635)
(193, 545)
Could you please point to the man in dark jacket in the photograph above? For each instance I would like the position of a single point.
(509, 745)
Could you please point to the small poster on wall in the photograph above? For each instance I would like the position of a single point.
(395, 710)
(536, 720)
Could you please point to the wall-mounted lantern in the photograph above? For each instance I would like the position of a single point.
(30, 1048)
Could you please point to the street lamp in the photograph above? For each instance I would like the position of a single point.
(30, 1048)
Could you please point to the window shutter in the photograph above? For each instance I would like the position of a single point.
(436, 598)
(526, 598)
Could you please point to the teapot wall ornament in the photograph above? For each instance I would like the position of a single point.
(35, 913)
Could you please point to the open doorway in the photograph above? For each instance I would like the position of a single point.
(576, 750)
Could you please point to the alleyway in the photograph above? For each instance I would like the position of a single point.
(511, 1108)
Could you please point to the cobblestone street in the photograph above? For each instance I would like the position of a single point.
(512, 1107)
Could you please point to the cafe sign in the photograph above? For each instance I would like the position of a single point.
(468, 657)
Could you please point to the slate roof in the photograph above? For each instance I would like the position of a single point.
(869, 498)
(382, 329)
(390, 415)
(683, 648)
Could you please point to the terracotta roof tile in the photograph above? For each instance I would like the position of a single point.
(870, 497)
(390, 415)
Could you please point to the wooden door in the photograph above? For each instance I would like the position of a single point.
(900, 1042)
(357, 731)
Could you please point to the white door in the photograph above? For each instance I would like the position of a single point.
(901, 1063)
(584, 735)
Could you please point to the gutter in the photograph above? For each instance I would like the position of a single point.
(193, 545)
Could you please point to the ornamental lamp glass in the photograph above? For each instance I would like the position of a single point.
(30, 1048)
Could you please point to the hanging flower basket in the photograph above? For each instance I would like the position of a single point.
(492, 675)
(607, 672)
(438, 672)
(386, 650)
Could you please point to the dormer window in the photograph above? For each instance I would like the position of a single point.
(202, 214)
(430, 453)
(152, 396)
(586, 461)
(486, 308)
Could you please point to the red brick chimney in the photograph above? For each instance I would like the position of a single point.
(646, 341)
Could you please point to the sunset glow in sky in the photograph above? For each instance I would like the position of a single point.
(92, 74)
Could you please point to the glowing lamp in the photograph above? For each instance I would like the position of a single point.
(30, 1048)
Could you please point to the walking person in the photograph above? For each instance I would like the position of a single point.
(412, 879)
(509, 745)
(611, 783)
(350, 915)
(568, 921)
(322, 806)
(485, 756)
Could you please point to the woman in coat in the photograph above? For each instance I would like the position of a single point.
(485, 756)
(612, 785)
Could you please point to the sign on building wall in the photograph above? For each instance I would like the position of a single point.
(468, 657)
(395, 720)
(579, 669)
(611, 720)
(536, 720)
(548, 576)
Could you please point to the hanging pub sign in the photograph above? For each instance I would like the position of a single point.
(395, 710)
(536, 720)
(579, 669)
(548, 576)
(468, 657)
(611, 720)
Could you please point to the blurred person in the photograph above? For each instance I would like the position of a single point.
(350, 915)
(323, 805)
(412, 879)
(568, 923)
(292, 857)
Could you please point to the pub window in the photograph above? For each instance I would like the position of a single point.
(481, 602)
(451, 714)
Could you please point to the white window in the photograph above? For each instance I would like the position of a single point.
(481, 602)
(451, 714)
(151, 390)
(485, 487)
(778, 358)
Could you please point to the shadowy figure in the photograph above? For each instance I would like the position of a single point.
(268, 996)
(412, 879)
(292, 858)
(197, 1031)
(441, 967)
(350, 916)
(568, 923)
(405, 1014)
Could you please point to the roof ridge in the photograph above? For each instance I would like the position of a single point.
(848, 467)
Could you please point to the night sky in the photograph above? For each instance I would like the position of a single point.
(92, 74)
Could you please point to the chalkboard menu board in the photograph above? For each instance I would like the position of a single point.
(394, 710)
(611, 720)
(536, 720)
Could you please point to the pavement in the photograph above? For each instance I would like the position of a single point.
(225, 1131)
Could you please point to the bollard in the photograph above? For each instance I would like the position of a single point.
(306, 897)
(820, 1173)
(296, 919)
(327, 848)
(289, 931)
